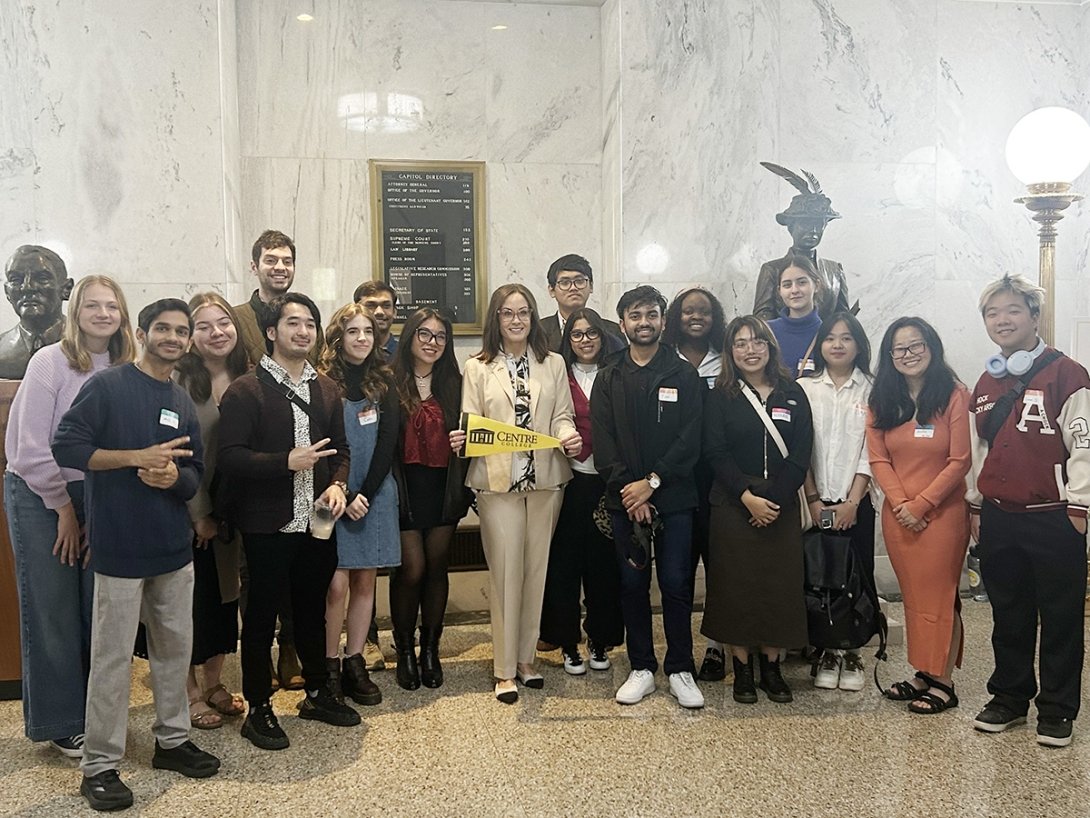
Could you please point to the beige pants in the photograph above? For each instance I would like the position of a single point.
(515, 531)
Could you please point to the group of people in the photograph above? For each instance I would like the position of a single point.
(166, 481)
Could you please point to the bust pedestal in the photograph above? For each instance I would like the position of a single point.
(11, 666)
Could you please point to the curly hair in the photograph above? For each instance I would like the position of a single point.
(672, 333)
(376, 374)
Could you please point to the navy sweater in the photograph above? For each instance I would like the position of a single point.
(794, 336)
(133, 530)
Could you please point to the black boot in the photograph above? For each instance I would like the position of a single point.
(356, 682)
(333, 680)
(431, 672)
(408, 674)
(745, 692)
(772, 681)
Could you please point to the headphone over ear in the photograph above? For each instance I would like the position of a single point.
(1017, 364)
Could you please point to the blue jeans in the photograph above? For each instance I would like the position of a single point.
(673, 564)
(54, 615)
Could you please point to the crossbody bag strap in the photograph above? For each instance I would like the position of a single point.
(805, 358)
(266, 377)
(755, 402)
(1005, 402)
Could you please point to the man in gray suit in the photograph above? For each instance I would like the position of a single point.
(805, 219)
(570, 282)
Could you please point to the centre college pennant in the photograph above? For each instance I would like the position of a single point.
(485, 436)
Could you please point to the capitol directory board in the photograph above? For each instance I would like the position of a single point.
(428, 222)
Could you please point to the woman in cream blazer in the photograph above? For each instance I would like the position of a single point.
(516, 380)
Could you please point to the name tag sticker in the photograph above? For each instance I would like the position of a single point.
(667, 394)
(711, 382)
(168, 418)
(925, 431)
(781, 414)
(808, 365)
(1033, 393)
(367, 416)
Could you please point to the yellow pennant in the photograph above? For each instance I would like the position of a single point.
(485, 436)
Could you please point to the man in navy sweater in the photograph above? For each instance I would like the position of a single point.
(135, 433)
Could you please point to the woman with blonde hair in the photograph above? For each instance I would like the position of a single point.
(44, 504)
(367, 534)
(516, 380)
(216, 357)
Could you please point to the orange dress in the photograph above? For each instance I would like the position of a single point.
(925, 466)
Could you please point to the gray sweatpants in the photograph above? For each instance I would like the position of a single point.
(164, 603)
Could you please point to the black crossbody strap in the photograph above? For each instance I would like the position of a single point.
(1005, 402)
(266, 377)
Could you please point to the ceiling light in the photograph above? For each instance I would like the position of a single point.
(304, 18)
(500, 27)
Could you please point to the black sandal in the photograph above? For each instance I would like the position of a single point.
(906, 691)
(927, 703)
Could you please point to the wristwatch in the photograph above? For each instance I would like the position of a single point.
(341, 485)
(654, 481)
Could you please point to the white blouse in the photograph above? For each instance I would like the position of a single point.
(840, 425)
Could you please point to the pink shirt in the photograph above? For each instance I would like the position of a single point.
(48, 389)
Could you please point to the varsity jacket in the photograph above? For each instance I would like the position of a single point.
(1040, 458)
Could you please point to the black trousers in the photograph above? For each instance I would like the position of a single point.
(305, 567)
(580, 555)
(1034, 566)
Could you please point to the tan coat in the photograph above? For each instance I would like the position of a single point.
(487, 392)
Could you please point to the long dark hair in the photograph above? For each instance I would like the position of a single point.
(193, 376)
(492, 341)
(610, 343)
(672, 334)
(376, 375)
(446, 379)
(775, 371)
(859, 335)
(889, 399)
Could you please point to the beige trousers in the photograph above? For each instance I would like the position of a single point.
(515, 531)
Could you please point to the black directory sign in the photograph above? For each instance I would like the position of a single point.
(428, 237)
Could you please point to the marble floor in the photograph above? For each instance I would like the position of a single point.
(570, 750)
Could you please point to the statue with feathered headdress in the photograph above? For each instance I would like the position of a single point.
(805, 219)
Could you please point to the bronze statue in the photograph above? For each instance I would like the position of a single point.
(805, 219)
(36, 283)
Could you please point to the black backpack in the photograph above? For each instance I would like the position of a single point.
(842, 610)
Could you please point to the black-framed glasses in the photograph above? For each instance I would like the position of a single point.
(507, 315)
(590, 334)
(578, 283)
(426, 336)
(915, 348)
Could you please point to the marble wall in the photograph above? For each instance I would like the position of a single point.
(901, 110)
(111, 141)
(420, 79)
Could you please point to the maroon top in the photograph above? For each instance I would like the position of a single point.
(426, 440)
(582, 417)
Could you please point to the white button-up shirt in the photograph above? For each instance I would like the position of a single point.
(840, 425)
(709, 368)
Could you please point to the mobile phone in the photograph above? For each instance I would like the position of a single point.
(828, 518)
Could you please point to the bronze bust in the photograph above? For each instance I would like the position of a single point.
(805, 219)
(36, 284)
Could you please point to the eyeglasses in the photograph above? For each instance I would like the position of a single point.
(426, 336)
(568, 283)
(758, 344)
(507, 316)
(590, 334)
(915, 348)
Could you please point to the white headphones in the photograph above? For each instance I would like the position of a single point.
(1018, 364)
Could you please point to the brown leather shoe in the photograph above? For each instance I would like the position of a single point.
(288, 669)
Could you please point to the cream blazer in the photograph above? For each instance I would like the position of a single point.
(486, 391)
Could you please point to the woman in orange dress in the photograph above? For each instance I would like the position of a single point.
(918, 437)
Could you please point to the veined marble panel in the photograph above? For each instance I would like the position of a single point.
(363, 79)
(116, 126)
(857, 78)
(537, 213)
(609, 274)
(698, 108)
(1021, 58)
(544, 84)
(325, 207)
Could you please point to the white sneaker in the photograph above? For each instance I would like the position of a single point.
(573, 660)
(684, 689)
(828, 671)
(851, 675)
(640, 683)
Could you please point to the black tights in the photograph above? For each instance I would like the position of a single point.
(420, 582)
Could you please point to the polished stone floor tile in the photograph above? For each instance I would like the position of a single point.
(570, 750)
